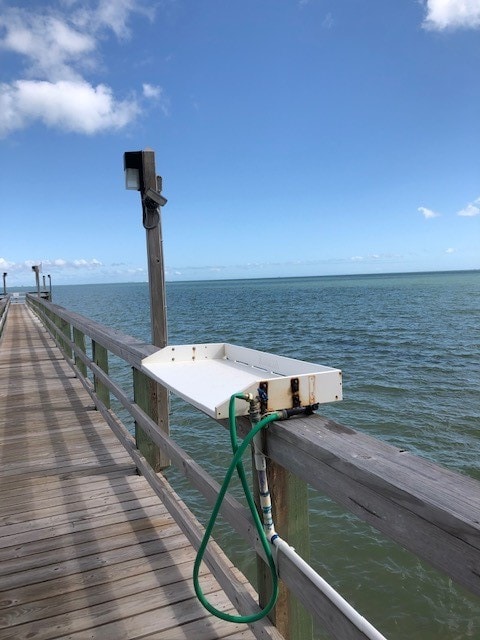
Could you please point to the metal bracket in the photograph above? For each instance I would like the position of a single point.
(295, 387)
(263, 397)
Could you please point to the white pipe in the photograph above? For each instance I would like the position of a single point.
(361, 623)
(265, 498)
(335, 598)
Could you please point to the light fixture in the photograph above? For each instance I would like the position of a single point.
(132, 162)
(132, 179)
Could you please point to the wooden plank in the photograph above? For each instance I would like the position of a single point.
(60, 485)
(126, 619)
(89, 542)
(77, 436)
(118, 517)
(64, 566)
(45, 494)
(145, 526)
(201, 630)
(43, 609)
(109, 574)
(92, 465)
(87, 422)
(51, 521)
(54, 508)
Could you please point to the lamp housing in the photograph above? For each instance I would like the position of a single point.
(132, 164)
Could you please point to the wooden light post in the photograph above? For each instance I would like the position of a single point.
(140, 174)
(36, 268)
(5, 283)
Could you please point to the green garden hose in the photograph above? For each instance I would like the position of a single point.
(237, 464)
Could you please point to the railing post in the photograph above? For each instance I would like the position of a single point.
(79, 340)
(56, 321)
(100, 358)
(145, 395)
(289, 497)
(66, 330)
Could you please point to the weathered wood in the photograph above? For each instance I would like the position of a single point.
(3, 312)
(38, 553)
(100, 357)
(156, 270)
(145, 395)
(158, 305)
(66, 337)
(79, 340)
(432, 511)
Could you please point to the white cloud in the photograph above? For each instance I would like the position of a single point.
(428, 213)
(471, 210)
(115, 15)
(56, 265)
(52, 47)
(68, 105)
(88, 264)
(450, 250)
(328, 21)
(58, 49)
(65, 271)
(452, 14)
(374, 257)
(5, 264)
(151, 91)
(110, 15)
(156, 93)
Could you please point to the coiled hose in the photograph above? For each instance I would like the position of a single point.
(237, 464)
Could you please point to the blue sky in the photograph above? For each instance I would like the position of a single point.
(294, 137)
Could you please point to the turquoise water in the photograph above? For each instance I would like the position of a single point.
(409, 348)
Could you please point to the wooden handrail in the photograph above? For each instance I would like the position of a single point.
(4, 303)
(432, 511)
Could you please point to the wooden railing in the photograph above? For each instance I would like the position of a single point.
(429, 510)
(4, 302)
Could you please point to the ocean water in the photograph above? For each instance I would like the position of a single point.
(409, 349)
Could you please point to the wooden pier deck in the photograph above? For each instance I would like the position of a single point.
(87, 550)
